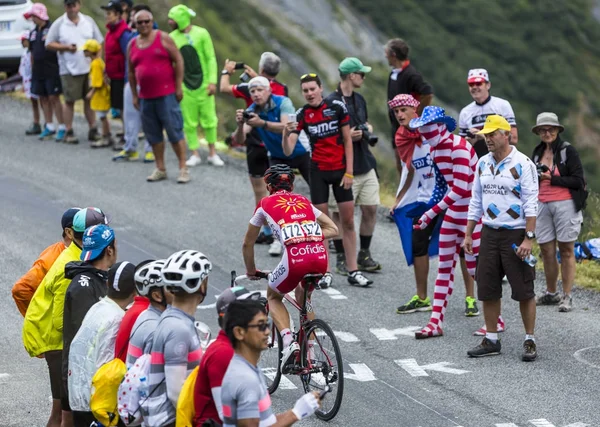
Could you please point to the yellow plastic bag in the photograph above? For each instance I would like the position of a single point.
(185, 404)
(105, 389)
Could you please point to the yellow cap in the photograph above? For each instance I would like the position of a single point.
(493, 123)
(91, 45)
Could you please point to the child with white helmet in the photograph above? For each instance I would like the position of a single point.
(176, 349)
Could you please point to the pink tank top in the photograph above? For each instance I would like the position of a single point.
(553, 193)
(153, 69)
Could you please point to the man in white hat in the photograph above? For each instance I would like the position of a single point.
(473, 116)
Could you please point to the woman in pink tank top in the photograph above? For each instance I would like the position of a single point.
(561, 201)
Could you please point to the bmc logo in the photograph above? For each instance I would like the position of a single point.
(323, 128)
(308, 250)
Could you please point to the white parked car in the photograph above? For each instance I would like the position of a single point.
(12, 25)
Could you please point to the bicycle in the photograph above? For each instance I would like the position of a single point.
(324, 374)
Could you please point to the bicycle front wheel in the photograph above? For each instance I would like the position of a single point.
(321, 352)
(270, 361)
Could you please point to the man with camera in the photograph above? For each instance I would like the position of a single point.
(365, 186)
(264, 121)
(256, 154)
(473, 116)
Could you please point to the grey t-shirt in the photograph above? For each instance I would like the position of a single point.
(142, 335)
(244, 394)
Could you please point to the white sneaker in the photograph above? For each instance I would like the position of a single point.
(215, 160)
(275, 249)
(288, 354)
(193, 161)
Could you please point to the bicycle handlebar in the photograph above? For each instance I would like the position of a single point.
(235, 278)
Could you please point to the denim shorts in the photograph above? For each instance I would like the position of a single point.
(162, 114)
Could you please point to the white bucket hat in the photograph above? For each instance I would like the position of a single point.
(547, 119)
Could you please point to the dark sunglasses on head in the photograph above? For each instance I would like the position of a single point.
(309, 75)
(262, 326)
(143, 21)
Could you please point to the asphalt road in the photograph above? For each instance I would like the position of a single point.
(391, 382)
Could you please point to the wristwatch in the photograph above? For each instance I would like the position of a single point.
(224, 72)
(530, 235)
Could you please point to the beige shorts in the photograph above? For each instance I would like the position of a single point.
(558, 221)
(74, 87)
(365, 189)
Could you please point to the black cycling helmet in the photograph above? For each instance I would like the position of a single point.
(280, 177)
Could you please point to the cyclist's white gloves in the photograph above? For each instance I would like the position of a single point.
(305, 406)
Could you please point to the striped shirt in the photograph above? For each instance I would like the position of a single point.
(175, 343)
(244, 394)
(456, 160)
(142, 334)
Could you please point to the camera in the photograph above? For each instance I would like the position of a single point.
(239, 66)
(247, 115)
(541, 169)
(245, 77)
(368, 136)
(471, 134)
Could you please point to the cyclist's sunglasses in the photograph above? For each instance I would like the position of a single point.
(262, 326)
(308, 76)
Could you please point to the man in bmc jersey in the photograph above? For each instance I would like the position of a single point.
(301, 229)
(199, 82)
(473, 116)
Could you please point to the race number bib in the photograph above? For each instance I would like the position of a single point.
(307, 231)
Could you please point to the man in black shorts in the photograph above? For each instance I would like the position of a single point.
(326, 122)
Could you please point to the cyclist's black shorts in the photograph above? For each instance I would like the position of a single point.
(320, 181)
(302, 163)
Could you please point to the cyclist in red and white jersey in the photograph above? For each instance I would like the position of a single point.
(301, 229)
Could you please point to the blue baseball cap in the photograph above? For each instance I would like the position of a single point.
(87, 217)
(68, 217)
(95, 240)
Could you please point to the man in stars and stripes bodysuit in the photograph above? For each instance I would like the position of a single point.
(456, 159)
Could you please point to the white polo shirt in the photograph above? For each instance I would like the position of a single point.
(65, 31)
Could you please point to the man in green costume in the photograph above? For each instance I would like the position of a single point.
(199, 82)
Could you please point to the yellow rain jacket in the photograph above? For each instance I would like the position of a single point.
(43, 325)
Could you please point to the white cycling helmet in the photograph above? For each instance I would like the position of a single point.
(149, 276)
(186, 270)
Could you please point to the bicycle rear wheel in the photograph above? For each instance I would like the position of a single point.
(326, 359)
(270, 361)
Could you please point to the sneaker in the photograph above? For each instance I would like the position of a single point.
(149, 157)
(157, 175)
(215, 160)
(486, 348)
(119, 145)
(471, 307)
(129, 156)
(326, 281)
(566, 304)
(365, 262)
(415, 304)
(93, 135)
(46, 133)
(288, 355)
(263, 239)
(61, 135)
(529, 351)
(340, 265)
(193, 161)
(105, 141)
(332, 246)
(70, 138)
(275, 249)
(356, 278)
(482, 331)
(34, 129)
(548, 299)
(184, 176)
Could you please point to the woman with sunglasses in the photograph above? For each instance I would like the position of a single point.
(562, 199)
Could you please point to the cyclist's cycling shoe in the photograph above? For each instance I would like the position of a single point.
(365, 262)
(288, 355)
(326, 281)
(356, 278)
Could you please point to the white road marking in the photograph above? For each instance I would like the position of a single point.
(383, 334)
(542, 422)
(506, 425)
(579, 356)
(4, 377)
(578, 424)
(343, 336)
(412, 367)
(362, 373)
(284, 383)
(333, 293)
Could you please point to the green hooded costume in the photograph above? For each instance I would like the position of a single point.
(200, 64)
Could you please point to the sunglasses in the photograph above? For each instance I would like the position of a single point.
(361, 75)
(262, 326)
(546, 130)
(143, 21)
(309, 75)
(476, 84)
